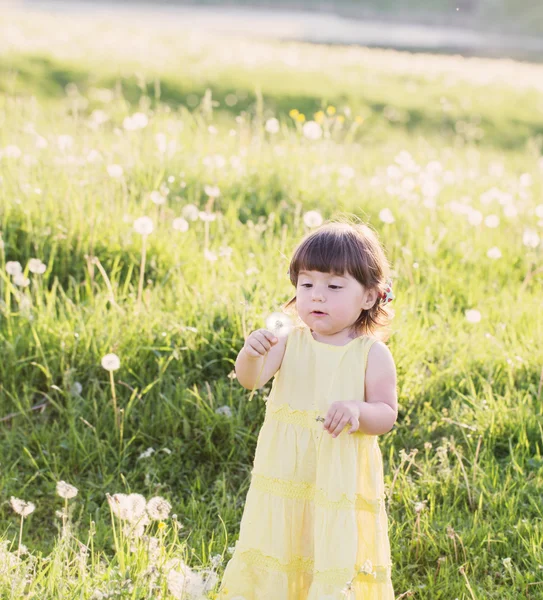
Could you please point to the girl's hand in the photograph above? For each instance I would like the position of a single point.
(341, 413)
(259, 342)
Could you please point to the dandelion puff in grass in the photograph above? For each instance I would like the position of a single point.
(21, 507)
(530, 238)
(190, 212)
(313, 218)
(36, 266)
(115, 171)
(212, 191)
(65, 490)
(312, 130)
(20, 280)
(13, 267)
(272, 125)
(386, 215)
(473, 315)
(158, 508)
(494, 253)
(157, 197)
(180, 224)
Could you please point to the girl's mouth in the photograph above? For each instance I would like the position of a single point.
(318, 313)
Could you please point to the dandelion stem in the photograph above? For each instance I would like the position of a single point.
(114, 398)
(258, 378)
(142, 269)
(20, 537)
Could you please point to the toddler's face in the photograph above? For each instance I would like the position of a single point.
(340, 298)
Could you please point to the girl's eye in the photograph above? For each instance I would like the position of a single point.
(337, 287)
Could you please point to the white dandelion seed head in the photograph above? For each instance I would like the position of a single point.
(205, 216)
(20, 280)
(65, 142)
(492, 221)
(272, 125)
(21, 507)
(115, 171)
(143, 225)
(190, 212)
(386, 215)
(312, 130)
(65, 490)
(36, 266)
(212, 191)
(280, 324)
(539, 211)
(209, 255)
(76, 388)
(313, 218)
(157, 197)
(494, 252)
(13, 267)
(12, 151)
(180, 224)
(473, 315)
(138, 120)
(111, 362)
(224, 410)
(158, 508)
(530, 238)
(146, 453)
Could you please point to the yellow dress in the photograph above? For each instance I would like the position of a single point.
(314, 513)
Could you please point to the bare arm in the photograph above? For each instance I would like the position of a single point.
(380, 410)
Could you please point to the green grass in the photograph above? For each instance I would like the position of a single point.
(471, 390)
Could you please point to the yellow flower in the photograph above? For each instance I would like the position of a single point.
(340, 118)
(293, 113)
(300, 118)
(331, 110)
(161, 525)
(319, 116)
(359, 119)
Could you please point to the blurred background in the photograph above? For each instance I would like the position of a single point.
(471, 27)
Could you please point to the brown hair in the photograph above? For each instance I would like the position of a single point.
(342, 246)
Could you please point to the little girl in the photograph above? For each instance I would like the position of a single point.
(314, 526)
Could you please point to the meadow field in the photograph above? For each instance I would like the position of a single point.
(153, 184)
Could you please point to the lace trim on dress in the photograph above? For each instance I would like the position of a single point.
(366, 572)
(306, 490)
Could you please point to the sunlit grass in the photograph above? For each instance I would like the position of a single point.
(229, 164)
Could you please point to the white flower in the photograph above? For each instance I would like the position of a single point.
(210, 255)
(157, 197)
(190, 212)
(65, 142)
(13, 267)
(530, 238)
(312, 130)
(21, 507)
(272, 125)
(158, 508)
(115, 171)
(346, 171)
(212, 129)
(93, 156)
(214, 161)
(539, 211)
(494, 252)
(76, 388)
(146, 453)
(136, 121)
(473, 316)
(475, 217)
(129, 507)
(205, 216)
(180, 224)
(20, 280)
(212, 191)
(279, 324)
(313, 218)
(65, 490)
(111, 362)
(386, 215)
(492, 221)
(224, 410)
(143, 225)
(36, 266)
(12, 151)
